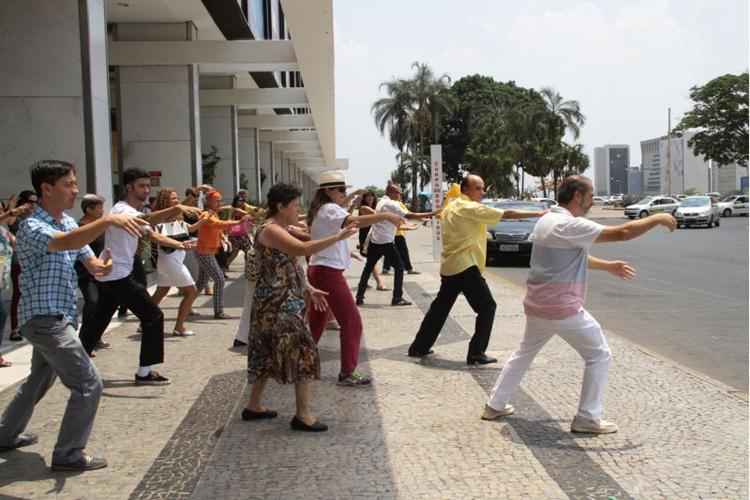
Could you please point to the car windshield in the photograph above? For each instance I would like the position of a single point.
(731, 197)
(700, 201)
(646, 200)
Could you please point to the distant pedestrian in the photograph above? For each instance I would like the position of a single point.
(210, 236)
(463, 260)
(556, 292)
(49, 242)
(170, 269)
(382, 236)
(92, 206)
(367, 206)
(26, 197)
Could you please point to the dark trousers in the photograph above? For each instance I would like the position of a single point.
(471, 283)
(90, 292)
(403, 252)
(139, 274)
(374, 253)
(134, 296)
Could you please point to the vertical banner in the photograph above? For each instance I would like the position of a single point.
(436, 182)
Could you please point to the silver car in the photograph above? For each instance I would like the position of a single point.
(698, 211)
(652, 205)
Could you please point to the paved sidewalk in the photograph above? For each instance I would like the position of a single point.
(414, 434)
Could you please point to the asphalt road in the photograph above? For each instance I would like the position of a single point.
(689, 302)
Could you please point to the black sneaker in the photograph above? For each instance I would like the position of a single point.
(15, 336)
(25, 439)
(153, 378)
(239, 343)
(86, 462)
(401, 302)
(414, 354)
(479, 359)
(360, 302)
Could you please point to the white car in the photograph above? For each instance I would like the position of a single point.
(599, 200)
(733, 205)
(652, 205)
(698, 211)
(547, 201)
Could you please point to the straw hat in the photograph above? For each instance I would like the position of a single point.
(332, 179)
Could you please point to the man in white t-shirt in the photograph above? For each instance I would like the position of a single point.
(556, 292)
(120, 286)
(382, 236)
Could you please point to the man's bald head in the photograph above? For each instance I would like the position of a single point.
(473, 187)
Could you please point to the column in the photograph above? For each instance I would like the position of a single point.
(219, 130)
(159, 109)
(54, 94)
(246, 162)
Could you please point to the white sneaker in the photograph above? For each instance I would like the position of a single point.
(589, 426)
(186, 333)
(490, 413)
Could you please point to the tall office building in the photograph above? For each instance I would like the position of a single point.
(611, 163)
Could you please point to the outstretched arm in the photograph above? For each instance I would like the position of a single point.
(619, 268)
(634, 229)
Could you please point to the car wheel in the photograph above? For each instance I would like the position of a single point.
(643, 214)
(718, 222)
(727, 213)
(679, 226)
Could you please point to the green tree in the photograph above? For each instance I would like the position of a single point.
(720, 113)
(568, 111)
(410, 114)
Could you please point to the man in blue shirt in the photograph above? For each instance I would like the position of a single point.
(49, 242)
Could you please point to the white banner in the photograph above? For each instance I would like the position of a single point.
(436, 181)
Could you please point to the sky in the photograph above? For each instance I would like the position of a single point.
(626, 62)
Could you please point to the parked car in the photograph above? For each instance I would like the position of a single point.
(652, 205)
(698, 211)
(600, 200)
(510, 237)
(547, 201)
(733, 205)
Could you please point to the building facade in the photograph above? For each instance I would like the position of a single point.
(611, 163)
(168, 86)
(682, 171)
(635, 180)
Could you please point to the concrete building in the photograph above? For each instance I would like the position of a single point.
(635, 180)
(157, 84)
(688, 171)
(729, 178)
(611, 163)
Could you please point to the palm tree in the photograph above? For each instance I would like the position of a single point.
(408, 114)
(568, 111)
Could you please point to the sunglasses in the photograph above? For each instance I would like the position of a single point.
(341, 189)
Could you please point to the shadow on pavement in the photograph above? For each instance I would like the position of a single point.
(26, 466)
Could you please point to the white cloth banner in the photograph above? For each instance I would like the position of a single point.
(436, 182)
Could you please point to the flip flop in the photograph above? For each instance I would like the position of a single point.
(383, 289)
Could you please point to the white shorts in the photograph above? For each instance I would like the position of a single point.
(170, 270)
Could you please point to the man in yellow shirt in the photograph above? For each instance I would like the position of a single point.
(463, 260)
